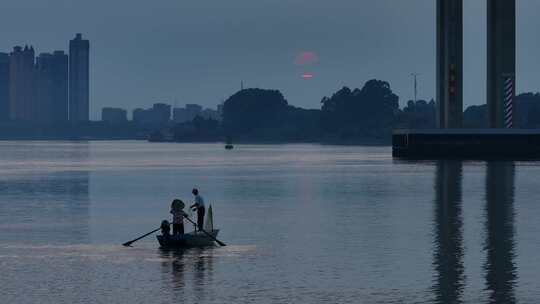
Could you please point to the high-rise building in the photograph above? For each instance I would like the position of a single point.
(79, 81)
(162, 113)
(51, 88)
(114, 115)
(59, 76)
(44, 88)
(501, 65)
(186, 114)
(4, 86)
(158, 115)
(22, 101)
(139, 115)
(449, 63)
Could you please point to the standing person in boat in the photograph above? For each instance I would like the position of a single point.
(177, 210)
(199, 205)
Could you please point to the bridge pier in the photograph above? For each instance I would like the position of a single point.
(501, 63)
(449, 63)
(501, 91)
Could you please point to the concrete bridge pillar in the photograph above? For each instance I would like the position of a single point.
(501, 64)
(449, 63)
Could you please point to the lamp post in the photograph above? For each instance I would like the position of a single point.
(415, 79)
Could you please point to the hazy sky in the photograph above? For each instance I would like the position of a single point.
(198, 51)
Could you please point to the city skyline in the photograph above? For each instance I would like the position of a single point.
(204, 61)
(45, 88)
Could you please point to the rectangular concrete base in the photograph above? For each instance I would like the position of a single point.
(467, 144)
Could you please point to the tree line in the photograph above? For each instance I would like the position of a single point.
(360, 115)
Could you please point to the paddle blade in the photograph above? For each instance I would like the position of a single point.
(128, 244)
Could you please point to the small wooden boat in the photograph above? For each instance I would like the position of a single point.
(229, 147)
(188, 240)
(203, 238)
(192, 239)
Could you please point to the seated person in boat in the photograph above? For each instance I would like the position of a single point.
(165, 228)
(177, 210)
(199, 205)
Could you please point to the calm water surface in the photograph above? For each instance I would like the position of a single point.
(303, 224)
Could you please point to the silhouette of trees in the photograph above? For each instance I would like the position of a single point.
(359, 113)
(300, 125)
(527, 110)
(199, 129)
(418, 115)
(475, 117)
(366, 115)
(264, 115)
(251, 110)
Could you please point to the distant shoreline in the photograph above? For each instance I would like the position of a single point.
(357, 142)
(374, 143)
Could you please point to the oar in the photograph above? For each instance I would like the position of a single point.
(127, 244)
(208, 234)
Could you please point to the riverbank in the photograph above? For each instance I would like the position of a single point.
(71, 131)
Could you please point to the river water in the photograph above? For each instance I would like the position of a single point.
(303, 224)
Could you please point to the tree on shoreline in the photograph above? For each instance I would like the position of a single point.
(366, 112)
(417, 115)
(250, 110)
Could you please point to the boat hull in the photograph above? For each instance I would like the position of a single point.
(188, 240)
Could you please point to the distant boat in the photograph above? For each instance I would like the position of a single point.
(228, 144)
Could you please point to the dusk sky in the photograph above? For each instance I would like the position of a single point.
(179, 52)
